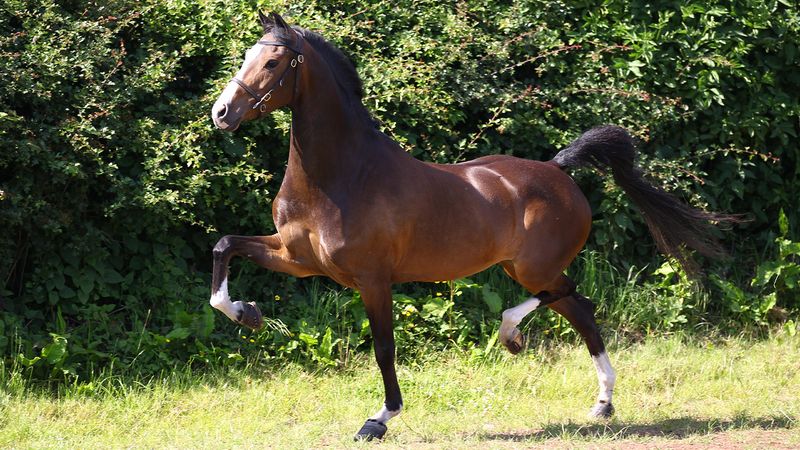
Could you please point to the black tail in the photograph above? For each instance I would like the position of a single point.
(672, 223)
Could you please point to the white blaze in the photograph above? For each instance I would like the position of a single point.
(227, 94)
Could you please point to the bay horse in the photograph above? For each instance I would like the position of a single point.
(355, 207)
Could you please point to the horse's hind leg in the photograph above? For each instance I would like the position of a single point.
(561, 297)
(579, 311)
(509, 334)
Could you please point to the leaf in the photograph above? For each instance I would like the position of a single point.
(235, 357)
(491, 342)
(767, 303)
(436, 307)
(206, 322)
(27, 362)
(623, 221)
(783, 223)
(791, 51)
(790, 328)
(766, 272)
(112, 276)
(179, 333)
(56, 352)
(326, 346)
(66, 292)
(788, 248)
(731, 292)
(633, 67)
(308, 339)
(492, 299)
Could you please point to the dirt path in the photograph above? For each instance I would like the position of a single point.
(734, 439)
(739, 439)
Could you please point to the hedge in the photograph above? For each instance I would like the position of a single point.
(114, 184)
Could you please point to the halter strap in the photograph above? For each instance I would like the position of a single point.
(281, 44)
(262, 99)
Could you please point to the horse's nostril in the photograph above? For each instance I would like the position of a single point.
(222, 111)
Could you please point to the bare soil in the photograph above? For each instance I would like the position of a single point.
(739, 439)
(650, 437)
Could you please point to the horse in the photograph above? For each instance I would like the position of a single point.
(357, 208)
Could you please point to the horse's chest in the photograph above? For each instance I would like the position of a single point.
(313, 234)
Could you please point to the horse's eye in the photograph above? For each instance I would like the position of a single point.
(271, 64)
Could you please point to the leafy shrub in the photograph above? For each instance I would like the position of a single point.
(114, 185)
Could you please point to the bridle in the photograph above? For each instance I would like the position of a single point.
(261, 100)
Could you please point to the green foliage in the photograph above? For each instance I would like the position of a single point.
(775, 286)
(782, 276)
(114, 185)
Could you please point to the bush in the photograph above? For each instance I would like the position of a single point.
(114, 185)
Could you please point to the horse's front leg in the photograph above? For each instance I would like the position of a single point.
(266, 251)
(377, 297)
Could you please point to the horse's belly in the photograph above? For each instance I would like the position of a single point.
(441, 272)
(450, 255)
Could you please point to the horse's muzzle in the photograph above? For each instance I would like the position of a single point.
(220, 114)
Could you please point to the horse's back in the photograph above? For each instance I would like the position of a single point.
(534, 185)
(505, 208)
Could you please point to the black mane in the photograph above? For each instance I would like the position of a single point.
(344, 71)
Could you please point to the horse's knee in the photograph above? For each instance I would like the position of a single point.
(384, 352)
(222, 246)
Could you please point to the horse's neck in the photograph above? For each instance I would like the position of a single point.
(328, 136)
(324, 151)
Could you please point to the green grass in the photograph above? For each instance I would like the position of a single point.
(668, 388)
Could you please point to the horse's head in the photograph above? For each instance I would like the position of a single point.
(267, 79)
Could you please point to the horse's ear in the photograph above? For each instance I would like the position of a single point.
(279, 21)
(265, 20)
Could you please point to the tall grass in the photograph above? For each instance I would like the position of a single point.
(642, 300)
(323, 325)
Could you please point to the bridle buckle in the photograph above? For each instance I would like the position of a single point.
(261, 102)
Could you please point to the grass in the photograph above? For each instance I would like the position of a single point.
(669, 390)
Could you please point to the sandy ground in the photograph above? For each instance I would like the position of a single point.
(737, 439)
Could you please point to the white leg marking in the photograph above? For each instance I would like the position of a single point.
(509, 334)
(221, 301)
(606, 377)
(513, 316)
(384, 414)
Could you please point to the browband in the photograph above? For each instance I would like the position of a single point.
(280, 44)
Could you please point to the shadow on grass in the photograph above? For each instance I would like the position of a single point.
(677, 428)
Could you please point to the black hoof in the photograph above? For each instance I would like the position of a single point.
(602, 411)
(517, 342)
(371, 429)
(250, 316)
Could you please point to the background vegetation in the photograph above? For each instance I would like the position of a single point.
(114, 186)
